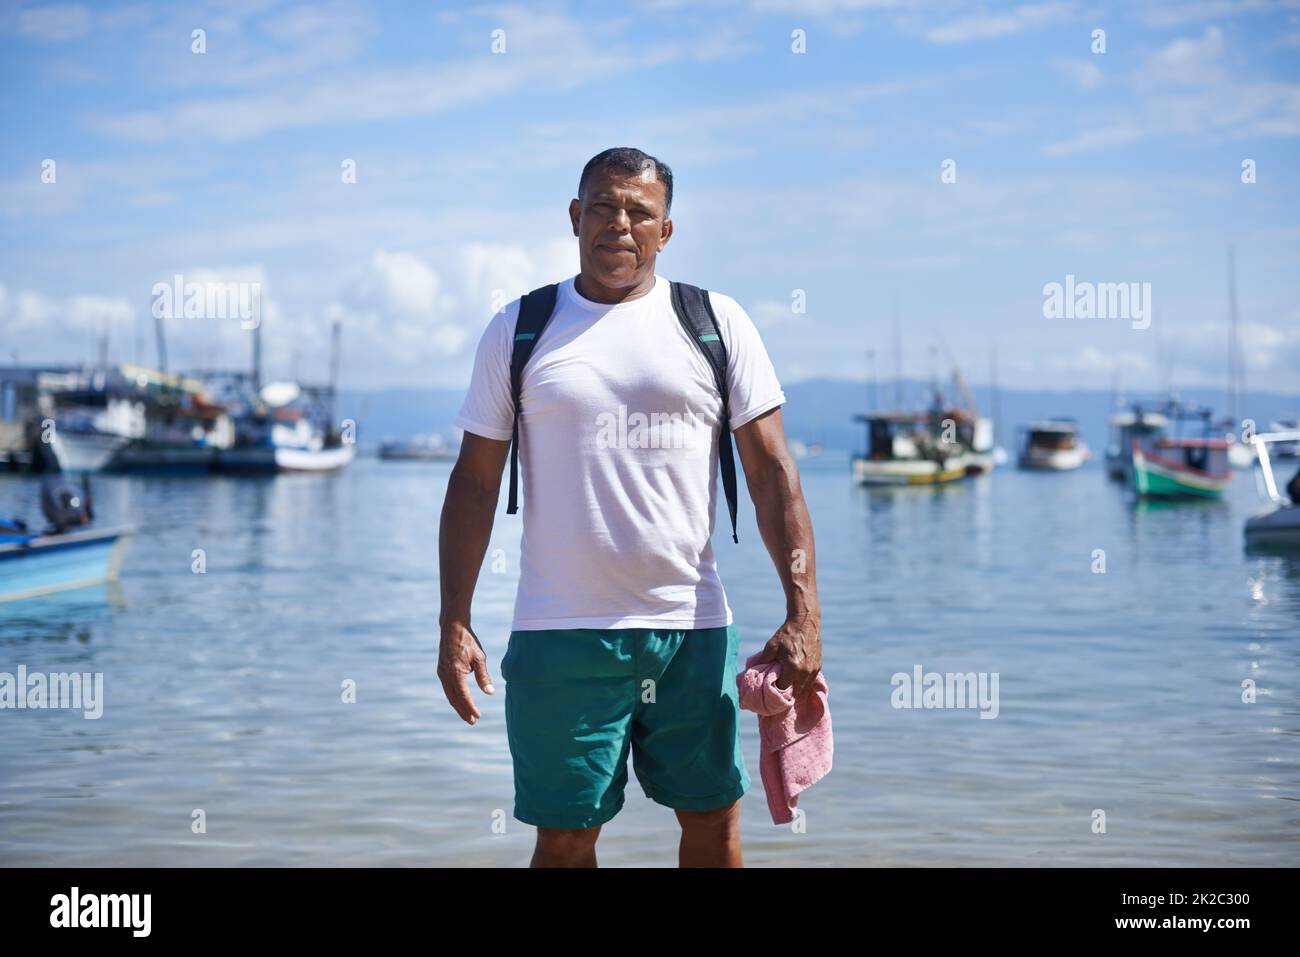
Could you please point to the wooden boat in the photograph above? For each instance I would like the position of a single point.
(65, 555)
(1171, 466)
(1278, 525)
(909, 448)
(40, 564)
(1053, 444)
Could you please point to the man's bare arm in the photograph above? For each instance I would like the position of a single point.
(463, 536)
(786, 527)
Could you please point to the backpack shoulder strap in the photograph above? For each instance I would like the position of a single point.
(691, 303)
(535, 310)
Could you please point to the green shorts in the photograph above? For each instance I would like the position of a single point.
(578, 699)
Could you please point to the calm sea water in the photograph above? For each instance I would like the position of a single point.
(1119, 692)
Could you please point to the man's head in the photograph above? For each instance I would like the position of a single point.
(621, 217)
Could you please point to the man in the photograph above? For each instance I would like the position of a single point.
(622, 636)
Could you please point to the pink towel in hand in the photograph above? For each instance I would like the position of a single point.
(795, 738)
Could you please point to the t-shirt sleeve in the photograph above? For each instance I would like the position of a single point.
(488, 409)
(753, 387)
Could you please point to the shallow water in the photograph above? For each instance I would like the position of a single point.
(1119, 691)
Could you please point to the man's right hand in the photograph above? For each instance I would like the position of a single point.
(459, 653)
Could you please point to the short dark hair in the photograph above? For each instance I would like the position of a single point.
(626, 159)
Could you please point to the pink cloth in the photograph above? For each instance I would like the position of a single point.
(796, 744)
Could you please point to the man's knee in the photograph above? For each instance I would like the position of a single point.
(567, 839)
(721, 818)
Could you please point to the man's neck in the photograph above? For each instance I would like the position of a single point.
(588, 289)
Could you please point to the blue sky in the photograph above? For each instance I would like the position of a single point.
(815, 171)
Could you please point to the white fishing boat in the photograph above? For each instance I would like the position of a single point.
(95, 416)
(910, 448)
(1053, 444)
(287, 433)
(1278, 525)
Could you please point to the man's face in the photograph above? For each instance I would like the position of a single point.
(620, 224)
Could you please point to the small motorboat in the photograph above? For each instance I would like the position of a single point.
(1279, 524)
(423, 448)
(1053, 444)
(67, 554)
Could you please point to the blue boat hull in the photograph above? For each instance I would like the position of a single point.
(50, 563)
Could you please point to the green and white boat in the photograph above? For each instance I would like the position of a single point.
(1171, 466)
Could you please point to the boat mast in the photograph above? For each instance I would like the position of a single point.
(334, 368)
(161, 342)
(898, 359)
(257, 359)
(871, 380)
(1236, 364)
(996, 398)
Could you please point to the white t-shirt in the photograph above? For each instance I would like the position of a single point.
(618, 457)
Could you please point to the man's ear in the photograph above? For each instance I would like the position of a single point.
(665, 234)
(575, 211)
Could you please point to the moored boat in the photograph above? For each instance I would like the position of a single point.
(1176, 466)
(421, 448)
(65, 555)
(1053, 444)
(286, 429)
(1124, 428)
(909, 448)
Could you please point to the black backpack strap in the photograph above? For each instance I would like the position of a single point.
(535, 310)
(693, 308)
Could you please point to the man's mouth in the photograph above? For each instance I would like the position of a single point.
(616, 249)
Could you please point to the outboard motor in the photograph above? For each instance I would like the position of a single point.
(63, 505)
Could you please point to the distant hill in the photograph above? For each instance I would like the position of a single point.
(817, 410)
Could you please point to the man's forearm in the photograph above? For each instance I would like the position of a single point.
(786, 527)
(463, 535)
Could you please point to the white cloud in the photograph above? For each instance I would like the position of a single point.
(1084, 74)
(1185, 89)
(1094, 361)
(1187, 61)
(54, 23)
(402, 312)
(1188, 11)
(546, 52)
(983, 26)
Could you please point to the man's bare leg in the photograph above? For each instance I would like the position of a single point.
(566, 847)
(710, 838)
